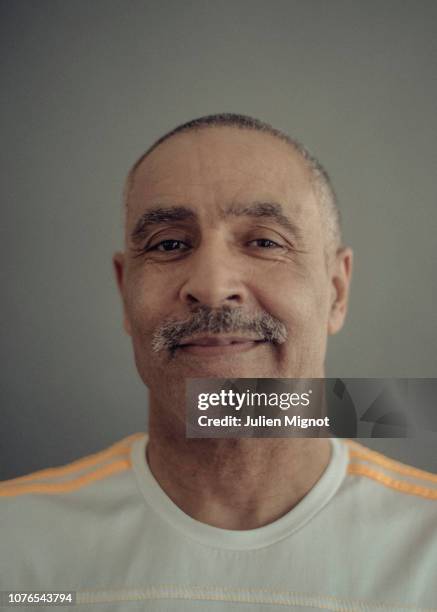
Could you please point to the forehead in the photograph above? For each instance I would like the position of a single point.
(212, 168)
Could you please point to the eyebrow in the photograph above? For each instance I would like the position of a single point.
(161, 215)
(269, 210)
(158, 216)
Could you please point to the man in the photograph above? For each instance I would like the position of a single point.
(233, 267)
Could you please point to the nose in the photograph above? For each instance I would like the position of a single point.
(213, 278)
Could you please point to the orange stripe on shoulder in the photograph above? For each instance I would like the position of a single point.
(398, 485)
(119, 449)
(358, 451)
(66, 487)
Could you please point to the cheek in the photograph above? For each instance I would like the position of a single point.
(298, 300)
(145, 308)
(146, 304)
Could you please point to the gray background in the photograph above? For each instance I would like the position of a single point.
(87, 86)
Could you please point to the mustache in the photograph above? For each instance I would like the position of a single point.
(204, 319)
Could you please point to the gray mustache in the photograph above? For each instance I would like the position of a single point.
(214, 321)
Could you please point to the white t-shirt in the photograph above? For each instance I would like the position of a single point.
(364, 539)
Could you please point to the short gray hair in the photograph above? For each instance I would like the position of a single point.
(321, 181)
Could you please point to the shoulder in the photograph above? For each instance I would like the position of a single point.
(386, 512)
(74, 478)
(52, 517)
(383, 473)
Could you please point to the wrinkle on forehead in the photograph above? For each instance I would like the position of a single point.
(220, 166)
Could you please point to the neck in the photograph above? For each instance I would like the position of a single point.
(233, 483)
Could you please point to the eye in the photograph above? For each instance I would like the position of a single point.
(265, 243)
(166, 246)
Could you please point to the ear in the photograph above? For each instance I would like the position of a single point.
(119, 263)
(341, 273)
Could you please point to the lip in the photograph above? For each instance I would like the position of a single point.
(219, 345)
(218, 340)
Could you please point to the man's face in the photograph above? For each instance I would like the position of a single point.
(223, 222)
